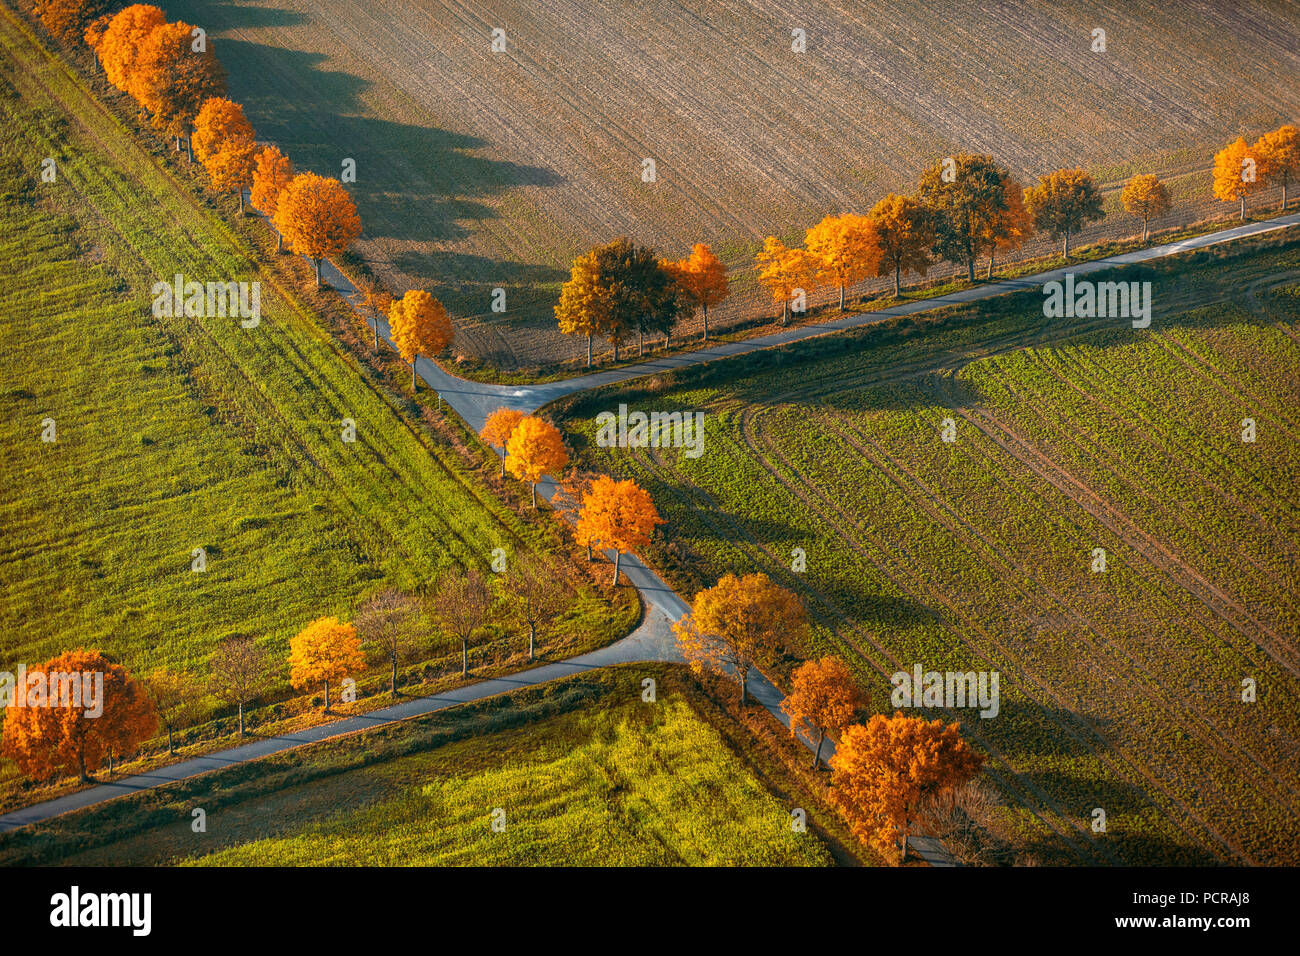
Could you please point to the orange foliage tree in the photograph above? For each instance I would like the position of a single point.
(1237, 173)
(783, 272)
(230, 168)
(904, 233)
(1145, 197)
(535, 449)
(218, 122)
(175, 79)
(737, 622)
(325, 650)
(702, 278)
(68, 19)
(616, 514)
(52, 733)
(272, 171)
(1279, 157)
(498, 428)
(318, 218)
(1007, 228)
(119, 45)
(1064, 202)
(883, 770)
(824, 698)
(846, 249)
(419, 326)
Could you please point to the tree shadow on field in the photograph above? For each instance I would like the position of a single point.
(466, 284)
(215, 15)
(414, 182)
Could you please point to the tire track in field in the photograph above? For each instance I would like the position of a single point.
(692, 495)
(936, 506)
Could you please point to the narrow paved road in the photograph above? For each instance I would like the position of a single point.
(653, 640)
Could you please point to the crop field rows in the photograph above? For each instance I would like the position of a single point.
(1121, 690)
(479, 170)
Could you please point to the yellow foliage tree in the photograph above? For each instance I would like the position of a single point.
(616, 514)
(324, 651)
(583, 307)
(220, 121)
(535, 449)
(1236, 173)
(317, 217)
(498, 429)
(119, 45)
(784, 272)
(419, 326)
(1006, 229)
(905, 234)
(846, 249)
(1064, 202)
(738, 622)
(1279, 157)
(824, 698)
(1145, 197)
(883, 770)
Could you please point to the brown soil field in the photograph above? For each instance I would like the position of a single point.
(478, 170)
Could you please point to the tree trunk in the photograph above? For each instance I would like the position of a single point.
(464, 657)
(640, 341)
(992, 255)
(394, 684)
(241, 719)
(241, 200)
(841, 297)
(171, 746)
(1067, 246)
(706, 321)
(534, 490)
(817, 754)
(1284, 195)
(279, 247)
(615, 350)
(743, 682)
(503, 461)
(970, 267)
(589, 557)
(617, 557)
(376, 331)
(785, 311)
(532, 638)
(317, 261)
(668, 341)
(897, 277)
(1243, 207)
(1144, 230)
(414, 386)
(327, 697)
(189, 148)
(110, 761)
(588, 351)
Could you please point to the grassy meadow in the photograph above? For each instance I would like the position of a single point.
(586, 772)
(1119, 690)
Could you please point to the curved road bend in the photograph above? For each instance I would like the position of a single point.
(653, 640)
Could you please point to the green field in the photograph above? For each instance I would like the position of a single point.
(586, 772)
(1120, 690)
(178, 433)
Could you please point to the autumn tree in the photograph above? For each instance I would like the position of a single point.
(238, 673)
(94, 35)
(67, 724)
(230, 168)
(784, 272)
(218, 122)
(498, 428)
(68, 19)
(119, 45)
(175, 79)
(1064, 202)
(175, 700)
(567, 502)
(535, 449)
(1010, 226)
(1279, 157)
(905, 235)
(965, 196)
(1145, 197)
(461, 606)
(1236, 173)
(619, 515)
(703, 279)
(388, 620)
(374, 300)
(419, 326)
(824, 698)
(882, 771)
(738, 622)
(272, 171)
(538, 593)
(317, 217)
(582, 309)
(324, 651)
(846, 249)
